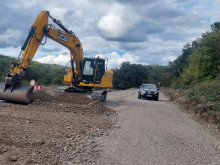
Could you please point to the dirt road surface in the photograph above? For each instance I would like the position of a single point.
(150, 132)
(53, 130)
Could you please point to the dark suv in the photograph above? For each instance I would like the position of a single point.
(148, 91)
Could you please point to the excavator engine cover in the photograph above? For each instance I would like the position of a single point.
(21, 94)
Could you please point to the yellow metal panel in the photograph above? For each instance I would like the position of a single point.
(106, 81)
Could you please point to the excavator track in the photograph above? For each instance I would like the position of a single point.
(99, 95)
(96, 94)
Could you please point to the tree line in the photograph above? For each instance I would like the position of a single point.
(133, 75)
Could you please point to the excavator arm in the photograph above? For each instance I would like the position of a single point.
(13, 90)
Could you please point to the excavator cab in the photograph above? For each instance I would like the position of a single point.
(94, 69)
(93, 75)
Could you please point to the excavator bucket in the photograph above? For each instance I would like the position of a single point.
(21, 94)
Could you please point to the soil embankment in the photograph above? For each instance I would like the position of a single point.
(203, 101)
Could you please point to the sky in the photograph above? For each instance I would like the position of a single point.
(139, 31)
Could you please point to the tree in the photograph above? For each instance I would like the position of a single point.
(215, 26)
(204, 62)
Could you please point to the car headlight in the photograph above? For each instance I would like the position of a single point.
(155, 92)
(142, 92)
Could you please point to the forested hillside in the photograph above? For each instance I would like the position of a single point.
(196, 74)
(43, 73)
(200, 60)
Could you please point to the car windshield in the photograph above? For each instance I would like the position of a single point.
(148, 86)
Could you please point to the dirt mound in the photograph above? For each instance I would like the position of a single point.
(74, 98)
(98, 108)
(41, 96)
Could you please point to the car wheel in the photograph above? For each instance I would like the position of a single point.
(157, 98)
(139, 96)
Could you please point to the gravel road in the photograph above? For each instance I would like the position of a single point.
(151, 132)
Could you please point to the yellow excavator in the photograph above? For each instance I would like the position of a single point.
(84, 74)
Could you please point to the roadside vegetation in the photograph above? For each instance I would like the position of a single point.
(199, 62)
(194, 77)
(201, 99)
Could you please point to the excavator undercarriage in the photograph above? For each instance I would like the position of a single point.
(100, 95)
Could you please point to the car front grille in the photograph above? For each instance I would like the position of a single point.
(149, 92)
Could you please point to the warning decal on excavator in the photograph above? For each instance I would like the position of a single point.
(62, 37)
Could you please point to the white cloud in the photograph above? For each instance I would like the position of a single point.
(52, 59)
(112, 25)
(115, 60)
(10, 51)
(97, 45)
(116, 22)
(10, 37)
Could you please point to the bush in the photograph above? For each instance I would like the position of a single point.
(175, 84)
(208, 93)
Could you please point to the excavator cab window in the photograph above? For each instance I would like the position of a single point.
(88, 71)
(88, 68)
(99, 69)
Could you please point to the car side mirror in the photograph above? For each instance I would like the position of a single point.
(158, 89)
